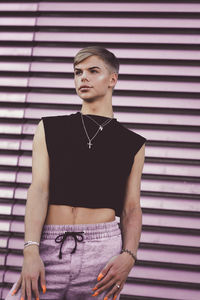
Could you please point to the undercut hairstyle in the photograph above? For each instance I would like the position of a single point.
(108, 57)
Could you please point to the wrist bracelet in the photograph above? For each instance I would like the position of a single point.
(131, 253)
(30, 243)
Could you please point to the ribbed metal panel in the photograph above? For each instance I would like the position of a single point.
(157, 95)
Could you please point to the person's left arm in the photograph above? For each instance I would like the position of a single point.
(117, 269)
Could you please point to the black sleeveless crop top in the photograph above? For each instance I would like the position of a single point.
(89, 177)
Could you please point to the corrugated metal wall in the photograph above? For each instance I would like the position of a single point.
(158, 96)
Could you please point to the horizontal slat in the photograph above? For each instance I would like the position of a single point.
(14, 66)
(171, 221)
(3, 242)
(172, 152)
(8, 160)
(99, 29)
(170, 186)
(6, 192)
(6, 208)
(172, 169)
(169, 238)
(11, 128)
(14, 260)
(141, 53)
(164, 274)
(13, 36)
(147, 290)
(168, 256)
(134, 7)
(102, 22)
(4, 225)
(22, 21)
(17, 50)
(8, 176)
(168, 136)
(110, 38)
(12, 113)
(170, 203)
(9, 144)
(13, 81)
(2, 262)
(12, 97)
(18, 6)
(101, 37)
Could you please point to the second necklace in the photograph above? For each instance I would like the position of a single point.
(99, 129)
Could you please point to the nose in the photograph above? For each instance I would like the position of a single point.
(84, 76)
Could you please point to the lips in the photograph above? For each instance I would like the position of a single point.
(84, 87)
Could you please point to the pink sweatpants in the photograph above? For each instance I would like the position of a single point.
(73, 256)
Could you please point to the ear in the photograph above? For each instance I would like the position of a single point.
(113, 80)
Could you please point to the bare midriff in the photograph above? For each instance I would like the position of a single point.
(64, 214)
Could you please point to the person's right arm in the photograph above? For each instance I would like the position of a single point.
(35, 214)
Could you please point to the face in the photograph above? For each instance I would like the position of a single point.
(93, 73)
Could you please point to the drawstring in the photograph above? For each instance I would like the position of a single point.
(62, 237)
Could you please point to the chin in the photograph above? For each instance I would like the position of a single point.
(87, 98)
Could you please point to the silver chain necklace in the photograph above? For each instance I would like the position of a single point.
(99, 129)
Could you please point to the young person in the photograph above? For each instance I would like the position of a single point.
(86, 170)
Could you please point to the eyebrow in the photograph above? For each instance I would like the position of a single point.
(88, 68)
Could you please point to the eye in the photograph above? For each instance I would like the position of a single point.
(77, 72)
(94, 71)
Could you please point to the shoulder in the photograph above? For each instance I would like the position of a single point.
(130, 140)
(57, 119)
(130, 135)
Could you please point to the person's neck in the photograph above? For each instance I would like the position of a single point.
(108, 113)
(98, 113)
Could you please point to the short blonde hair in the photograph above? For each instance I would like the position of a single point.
(108, 57)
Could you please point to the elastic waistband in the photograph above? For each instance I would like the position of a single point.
(90, 231)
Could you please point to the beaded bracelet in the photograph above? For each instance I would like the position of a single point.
(30, 243)
(131, 253)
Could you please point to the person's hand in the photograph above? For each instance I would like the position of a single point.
(115, 272)
(32, 268)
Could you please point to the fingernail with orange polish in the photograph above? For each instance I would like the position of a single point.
(106, 298)
(100, 276)
(37, 298)
(95, 294)
(95, 288)
(44, 288)
(115, 297)
(14, 291)
(21, 298)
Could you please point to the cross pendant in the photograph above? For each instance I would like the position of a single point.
(90, 144)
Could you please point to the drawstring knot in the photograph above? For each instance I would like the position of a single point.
(62, 237)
